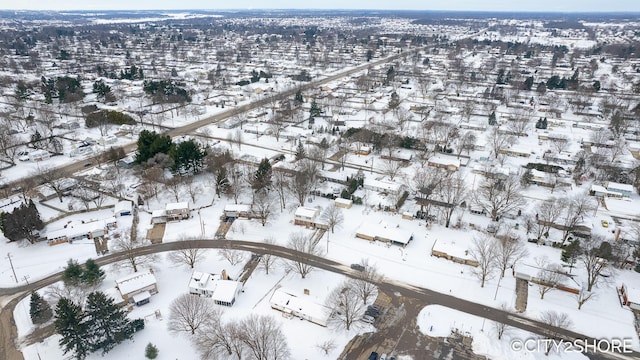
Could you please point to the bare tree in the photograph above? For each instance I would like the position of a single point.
(583, 297)
(499, 326)
(214, 339)
(304, 181)
(188, 256)
(305, 245)
(508, 252)
(281, 185)
(268, 261)
(498, 140)
(557, 322)
(174, 185)
(262, 335)
(188, 312)
(576, 208)
(519, 123)
(392, 168)
(483, 251)
(234, 257)
(128, 247)
(452, 190)
(332, 216)
(51, 177)
(560, 143)
(262, 206)
(549, 276)
(236, 138)
(77, 294)
(345, 304)
(364, 283)
(327, 346)
(592, 258)
(193, 189)
(547, 214)
(499, 196)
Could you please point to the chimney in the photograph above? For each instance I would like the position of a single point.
(224, 275)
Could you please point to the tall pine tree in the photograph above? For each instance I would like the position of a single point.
(301, 153)
(72, 275)
(92, 275)
(262, 177)
(108, 324)
(22, 223)
(39, 309)
(71, 326)
(571, 253)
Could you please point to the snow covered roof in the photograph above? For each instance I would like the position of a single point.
(306, 212)
(382, 185)
(385, 232)
(610, 185)
(226, 290)
(76, 229)
(135, 281)
(445, 160)
(453, 247)
(633, 294)
(203, 281)
(158, 213)
(237, 208)
(177, 206)
(289, 302)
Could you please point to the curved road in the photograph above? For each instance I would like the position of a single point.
(7, 338)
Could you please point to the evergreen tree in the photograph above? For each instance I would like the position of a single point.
(73, 273)
(151, 143)
(571, 253)
(188, 157)
(107, 323)
(262, 177)
(92, 275)
(72, 328)
(315, 110)
(301, 153)
(22, 223)
(492, 119)
(39, 309)
(151, 351)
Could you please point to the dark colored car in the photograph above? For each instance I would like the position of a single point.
(357, 267)
(373, 356)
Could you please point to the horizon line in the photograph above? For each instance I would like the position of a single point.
(347, 9)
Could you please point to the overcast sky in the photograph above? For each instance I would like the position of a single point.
(484, 5)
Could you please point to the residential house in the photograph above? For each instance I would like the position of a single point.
(624, 189)
(177, 211)
(453, 250)
(138, 287)
(220, 288)
(383, 186)
(302, 306)
(441, 161)
(306, 216)
(382, 231)
(39, 155)
(343, 203)
(75, 231)
(235, 211)
(629, 296)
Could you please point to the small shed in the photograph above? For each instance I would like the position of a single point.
(343, 203)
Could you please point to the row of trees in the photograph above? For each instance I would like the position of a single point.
(257, 337)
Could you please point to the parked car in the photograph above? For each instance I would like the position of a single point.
(383, 357)
(373, 356)
(357, 267)
(368, 319)
(605, 224)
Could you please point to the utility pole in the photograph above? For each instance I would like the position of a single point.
(12, 269)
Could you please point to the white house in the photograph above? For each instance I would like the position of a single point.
(74, 231)
(138, 287)
(383, 186)
(218, 287)
(300, 306)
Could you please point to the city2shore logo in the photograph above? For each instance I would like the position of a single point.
(620, 346)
